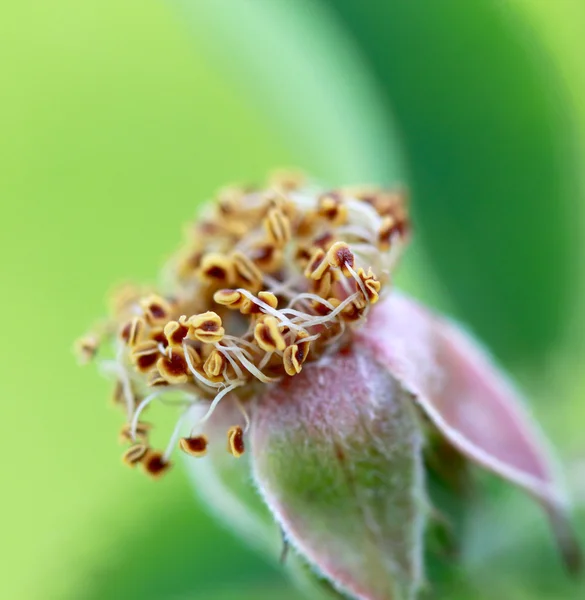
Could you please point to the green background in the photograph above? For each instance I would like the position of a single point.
(118, 118)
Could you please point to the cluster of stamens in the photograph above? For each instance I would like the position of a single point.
(266, 281)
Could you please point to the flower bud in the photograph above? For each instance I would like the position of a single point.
(337, 458)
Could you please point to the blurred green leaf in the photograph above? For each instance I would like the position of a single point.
(489, 151)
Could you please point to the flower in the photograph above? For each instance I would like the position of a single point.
(285, 342)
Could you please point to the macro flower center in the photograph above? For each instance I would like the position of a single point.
(266, 280)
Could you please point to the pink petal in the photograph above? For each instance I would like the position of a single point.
(337, 457)
(468, 399)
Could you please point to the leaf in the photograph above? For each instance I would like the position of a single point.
(469, 400)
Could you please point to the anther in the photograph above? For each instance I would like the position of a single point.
(269, 298)
(194, 446)
(176, 331)
(277, 227)
(247, 273)
(156, 309)
(216, 269)
(268, 336)
(145, 355)
(317, 265)
(134, 454)
(86, 348)
(286, 180)
(206, 327)
(215, 364)
(173, 367)
(371, 284)
(154, 464)
(331, 207)
(339, 255)
(141, 433)
(236, 441)
(290, 360)
(230, 298)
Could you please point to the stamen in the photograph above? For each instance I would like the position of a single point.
(268, 336)
(236, 441)
(222, 330)
(134, 454)
(195, 372)
(194, 446)
(154, 464)
(206, 327)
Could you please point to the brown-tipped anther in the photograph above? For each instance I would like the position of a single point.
(216, 269)
(215, 364)
(268, 336)
(324, 240)
(141, 433)
(176, 331)
(156, 309)
(286, 180)
(268, 298)
(248, 275)
(317, 266)
(290, 360)
(194, 446)
(173, 367)
(332, 208)
(341, 257)
(277, 227)
(266, 257)
(206, 327)
(154, 464)
(229, 198)
(353, 311)
(230, 298)
(133, 331)
(145, 355)
(236, 441)
(189, 263)
(134, 454)
(155, 379)
(388, 229)
(322, 287)
(371, 284)
(86, 348)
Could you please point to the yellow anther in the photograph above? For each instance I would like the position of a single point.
(156, 309)
(206, 327)
(176, 331)
(215, 364)
(173, 367)
(144, 355)
(194, 446)
(317, 266)
(277, 227)
(86, 348)
(141, 433)
(236, 441)
(230, 298)
(340, 256)
(134, 454)
(268, 336)
(216, 269)
(286, 179)
(248, 275)
(268, 298)
(371, 284)
(155, 464)
(332, 207)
